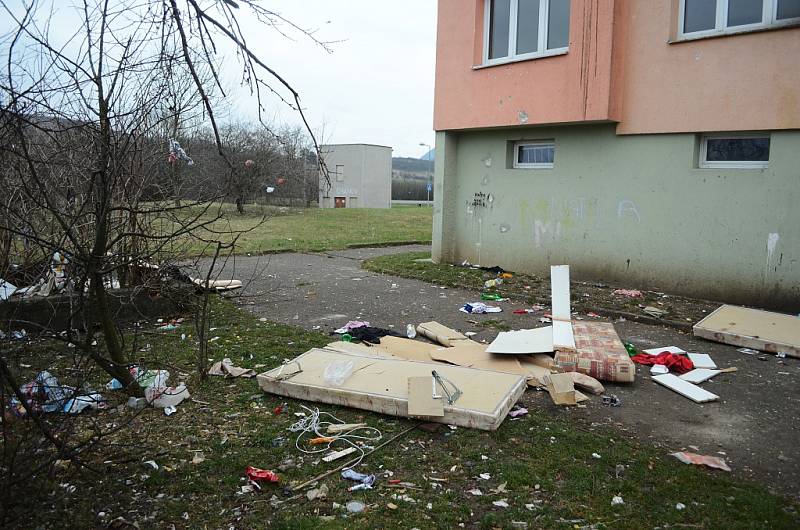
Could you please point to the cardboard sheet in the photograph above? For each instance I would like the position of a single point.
(684, 388)
(752, 328)
(381, 385)
(420, 398)
(472, 354)
(413, 350)
(524, 341)
(559, 292)
(439, 333)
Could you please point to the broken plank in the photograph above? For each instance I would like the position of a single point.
(684, 388)
(559, 292)
(699, 375)
(752, 328)
(336, 455)
(563, 338)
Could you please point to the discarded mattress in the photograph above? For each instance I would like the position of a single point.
(599, 353)
(752, 328)
(381, 385)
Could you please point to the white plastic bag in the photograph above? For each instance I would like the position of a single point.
(337, 372)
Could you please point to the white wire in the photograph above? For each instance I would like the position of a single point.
(312, 423)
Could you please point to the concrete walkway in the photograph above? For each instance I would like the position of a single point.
(754, 425)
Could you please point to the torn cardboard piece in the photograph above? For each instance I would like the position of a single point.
(439, 333)
(471, 354)
(226, 368)
(524, 341)
(752, 328)
(562, 390)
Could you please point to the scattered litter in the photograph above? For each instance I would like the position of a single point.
(6, 289)
(680, 506)
(336, 455)
(596, 456)
(355, 507)
(485, 476)
(169, 410)
(226, 368)
(493, 297)
(749, 351)
(677, 363)
(630, 293)
(518, 412)
(411, 331)
(612, 401)
(317, 493)
(619, 471)
(366, 480)
(476, 492)
(353, 324)
(654, 311)
(488, 284)
(261, 475)
(479, 308)
(702, 460)
(502, 503)
(391, 505)
(617, 500)
(198, 458)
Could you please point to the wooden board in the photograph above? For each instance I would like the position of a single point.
(699, 375)
(559, 292)
(420, 398)
(381, 385)
(439, 333)
(563, 337)
(702, 360)
(684, 388)
(752, 328)
(524, 341)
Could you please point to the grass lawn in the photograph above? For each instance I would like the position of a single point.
(541, 466)
(315, 229)
(586, 296)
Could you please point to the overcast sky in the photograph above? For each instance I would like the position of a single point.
(377, 84)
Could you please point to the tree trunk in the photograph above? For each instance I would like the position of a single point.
(240, 205)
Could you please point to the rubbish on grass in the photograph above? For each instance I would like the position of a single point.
(439, 333)
(669, 349)
(366, 481)
(630, 293)
(524, 341)
(502, 503)
(702, 460)
(612, 401)
(518, 412)
(351, 325)
(684, 388)
(680, 506)
(198, 458)
(336, 455)
(80, 403)
(337, 372)
(702, 360)
(488, 284)
(475, 492)
(752, 328)
(617, 500)
(494, 297)
(169, 410)
(226, 368)
(380, 384)
(596, 456)
(355, 507)
(167, 327)
(699, 375)
(317, 493)
(261, 475)
(6, 289)
(479, 308)
(43, 394)
(321, 440)
(676, 363)
(654, 311)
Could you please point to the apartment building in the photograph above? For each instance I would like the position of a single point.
(359, 176)
(648, 143)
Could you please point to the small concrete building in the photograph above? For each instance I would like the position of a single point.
(360, 176)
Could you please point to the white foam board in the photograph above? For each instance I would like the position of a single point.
(671, 349)
(699, 375)
(684, 388)
(702, 360)
(539, 340)
(563, 339)
(559, 292)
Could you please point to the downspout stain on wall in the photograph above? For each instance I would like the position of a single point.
(772, 244)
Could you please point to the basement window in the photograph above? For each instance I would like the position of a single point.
(534, 155)
(744, 152)
(525, 29)
(707, 18)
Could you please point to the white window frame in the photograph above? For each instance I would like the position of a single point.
(513, 56)
(541, 165)
(768, 20)
(730, 164)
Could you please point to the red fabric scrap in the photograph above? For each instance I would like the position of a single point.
(676, 363)
(257, 475)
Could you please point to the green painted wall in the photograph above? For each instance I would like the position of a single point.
(632, 210)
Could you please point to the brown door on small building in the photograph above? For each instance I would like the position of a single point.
(340, 202)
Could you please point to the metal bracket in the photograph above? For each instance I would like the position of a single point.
(452, 393)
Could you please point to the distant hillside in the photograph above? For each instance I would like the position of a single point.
(411, 165)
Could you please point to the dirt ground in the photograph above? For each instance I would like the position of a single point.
(754, 425)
